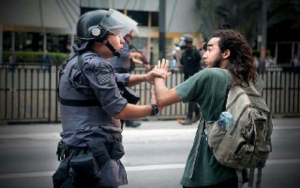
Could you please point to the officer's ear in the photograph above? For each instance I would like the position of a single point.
(226, 54)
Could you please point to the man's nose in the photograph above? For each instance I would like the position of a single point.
(204, 55)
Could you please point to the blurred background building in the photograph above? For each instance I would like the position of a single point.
(37, 25)
(31, 30)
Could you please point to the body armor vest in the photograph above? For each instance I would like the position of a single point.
(82, 116)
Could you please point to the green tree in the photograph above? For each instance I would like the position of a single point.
(244, 16)
(240, 15)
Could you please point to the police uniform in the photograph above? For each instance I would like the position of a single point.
(90, 98)
(91, 146)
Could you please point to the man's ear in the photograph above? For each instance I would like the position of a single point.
(226, 54)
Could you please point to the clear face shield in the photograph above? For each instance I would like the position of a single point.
(182, 43)
(118, 23)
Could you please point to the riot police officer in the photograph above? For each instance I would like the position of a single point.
(190, 62)
(91, 104)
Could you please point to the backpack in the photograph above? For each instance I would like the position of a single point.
(243, 140)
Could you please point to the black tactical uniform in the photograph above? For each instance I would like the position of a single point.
(190, 60)
(123, 65)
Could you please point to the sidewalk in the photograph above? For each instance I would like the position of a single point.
(51, 131)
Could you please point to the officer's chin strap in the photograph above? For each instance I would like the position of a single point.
(82, 47)
(114, 51)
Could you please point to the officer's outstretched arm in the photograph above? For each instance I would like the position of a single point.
(134, 111)
(149, 77)
(137, 111)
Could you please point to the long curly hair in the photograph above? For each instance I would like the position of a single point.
(241, 64)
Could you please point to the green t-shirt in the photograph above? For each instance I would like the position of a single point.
(209, 89)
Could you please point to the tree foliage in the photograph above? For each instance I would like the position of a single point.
(244, 16)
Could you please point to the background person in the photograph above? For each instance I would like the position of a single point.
(124, 63)
(12, 61)
(190, 63)
(295, 61)
(46, 61)
(256, 63)
(202, 50)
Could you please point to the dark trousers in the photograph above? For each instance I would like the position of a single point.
(193, 107)
(121, 71)
(231, 183)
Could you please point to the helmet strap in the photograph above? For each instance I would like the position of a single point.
(114, 51)
(80, 48)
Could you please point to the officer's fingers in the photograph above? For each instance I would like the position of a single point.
(158, 72)
(166, 75)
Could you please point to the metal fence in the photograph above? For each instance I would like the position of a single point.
(28, 93)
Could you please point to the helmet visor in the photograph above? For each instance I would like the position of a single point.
(117, 23)
(182, 42)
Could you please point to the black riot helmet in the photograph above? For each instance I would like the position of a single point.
(98, 24)
(184, 40)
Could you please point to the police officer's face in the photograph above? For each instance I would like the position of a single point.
(212, 57)
(116, 40)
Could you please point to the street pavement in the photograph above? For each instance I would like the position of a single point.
(155, 154)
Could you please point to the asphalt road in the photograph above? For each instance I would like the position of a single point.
(155, 155)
